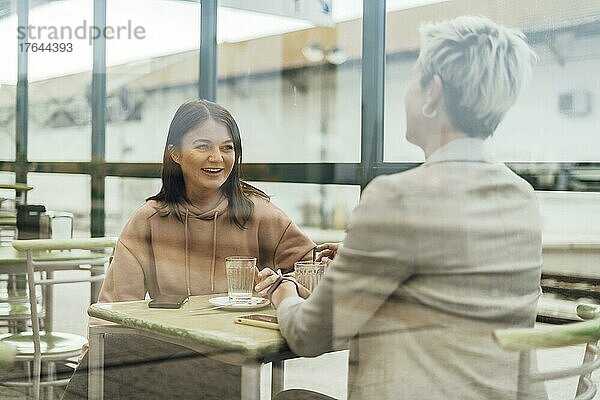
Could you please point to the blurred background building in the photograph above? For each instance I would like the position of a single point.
(294, 83)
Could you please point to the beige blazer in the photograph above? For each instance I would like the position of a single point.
(434, 260)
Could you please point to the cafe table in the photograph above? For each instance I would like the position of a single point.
(211, 332)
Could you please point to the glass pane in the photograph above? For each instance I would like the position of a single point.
(322, 211)
(123, 197)
(8, 81)
(74, 197)
(570, 216)
(60, 63)
(7, 196)
(553, 119)
(149, 74)
(302, 93)
(7, 177)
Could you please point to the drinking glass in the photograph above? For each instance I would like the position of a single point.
(240, 278)
(309, 273)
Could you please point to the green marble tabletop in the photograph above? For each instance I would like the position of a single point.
(65, 244)
(549, 336)
(16, 186)
(210, 329)
(8, 220)
(13, 261)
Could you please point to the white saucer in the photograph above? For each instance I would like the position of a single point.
(256, 304)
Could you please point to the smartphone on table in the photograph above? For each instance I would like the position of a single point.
(172, 301)
(261, 320)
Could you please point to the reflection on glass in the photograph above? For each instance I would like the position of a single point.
(322, 211)
(60, 81)
(8, 85)
(7, 198)
(570, 216)
(150, 76)
(553, 120)
(302, 94)
(123, 196)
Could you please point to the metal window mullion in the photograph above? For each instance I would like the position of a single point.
(22, 97)
(207, 78)
(372, 95)
(98, 105)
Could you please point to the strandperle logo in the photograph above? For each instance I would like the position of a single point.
(82, 31)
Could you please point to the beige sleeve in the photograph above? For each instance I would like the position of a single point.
(375, 259)
(281, 242)
(125, 278)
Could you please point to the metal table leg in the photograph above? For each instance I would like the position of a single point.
(277, 374)
(96, 364)
(95, 285)
(251, 382)
(49, 304)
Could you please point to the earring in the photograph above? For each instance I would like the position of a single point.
(174, 156)
(426, 114)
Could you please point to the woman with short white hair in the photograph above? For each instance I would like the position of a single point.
(468, 74)
(438, 257)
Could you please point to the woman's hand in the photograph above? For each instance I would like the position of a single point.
(283, 291)
(302, 291)
(327, 252)
(266, 278)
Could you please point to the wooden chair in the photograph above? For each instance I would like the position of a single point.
(47, 346)
(526, 339)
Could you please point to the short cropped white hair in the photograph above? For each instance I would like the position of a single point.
(483, 67)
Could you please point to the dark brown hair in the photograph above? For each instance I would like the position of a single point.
(187, 117)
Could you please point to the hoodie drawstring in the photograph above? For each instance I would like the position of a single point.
(214, 253)
(187, 255)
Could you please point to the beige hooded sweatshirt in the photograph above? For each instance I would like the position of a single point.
(156, 253)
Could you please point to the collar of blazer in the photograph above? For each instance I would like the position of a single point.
(466, 149)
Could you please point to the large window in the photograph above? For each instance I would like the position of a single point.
(319, 114)
(295, 85)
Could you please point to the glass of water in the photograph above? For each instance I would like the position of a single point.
(309, 273)
(240, 278)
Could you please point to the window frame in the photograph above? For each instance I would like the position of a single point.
(372, 120)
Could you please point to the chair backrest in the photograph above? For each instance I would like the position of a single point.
(526, 339)
(39, 247)
(92, 252)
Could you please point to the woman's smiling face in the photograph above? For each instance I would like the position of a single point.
(206, 157)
